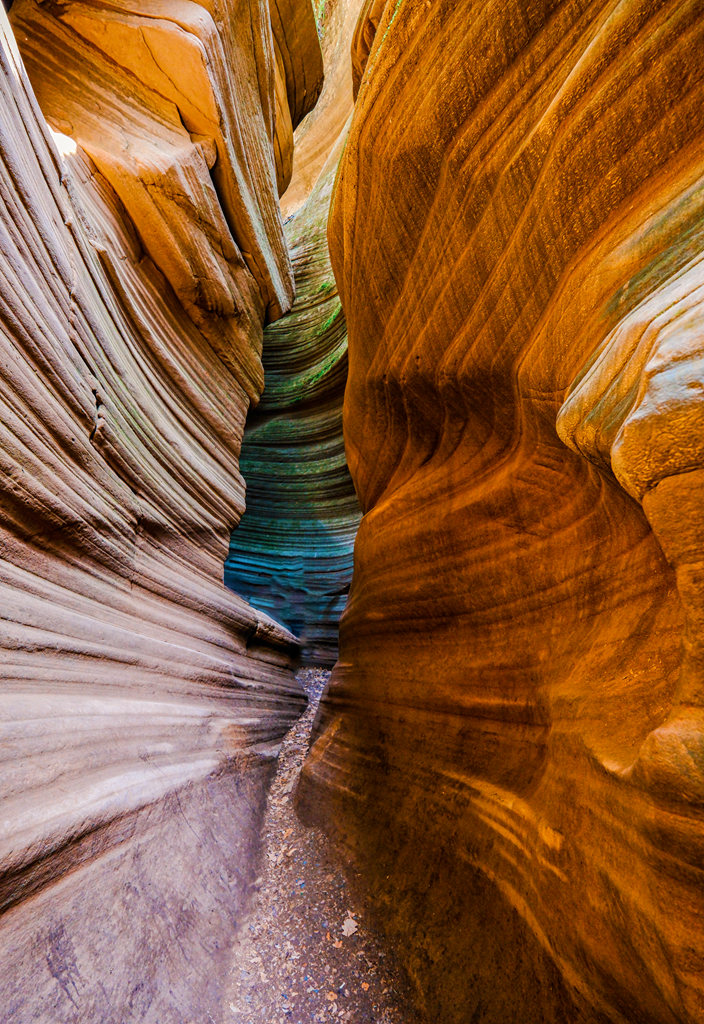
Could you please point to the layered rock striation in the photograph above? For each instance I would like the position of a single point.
(291, 555)
(141, 703)
(511, 743)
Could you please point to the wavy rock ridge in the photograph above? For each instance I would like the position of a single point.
(511, 744)
(141, 704)
(292, 553)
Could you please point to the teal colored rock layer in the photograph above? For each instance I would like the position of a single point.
(291, 554)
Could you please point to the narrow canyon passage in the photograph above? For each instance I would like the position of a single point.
(364, 335)
(307, 952)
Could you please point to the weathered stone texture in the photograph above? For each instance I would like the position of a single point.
(318, 135)
(291, 555)
(141, 703)
(512, 742)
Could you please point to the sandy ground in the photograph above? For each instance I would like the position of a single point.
(307, 953)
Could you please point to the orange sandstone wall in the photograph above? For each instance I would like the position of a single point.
(512, 744)
(317, 136)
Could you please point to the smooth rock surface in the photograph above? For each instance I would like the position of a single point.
(141, 703)
(511, 745)
(291, 554)
(317, 135)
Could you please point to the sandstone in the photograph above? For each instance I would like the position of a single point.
(291, 555)
(318, 134)
(511, 743)
(142, 704)
(510, 749)
(299, 76)
(158, 98)
(364, 35)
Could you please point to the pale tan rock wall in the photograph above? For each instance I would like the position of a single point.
(140, 702)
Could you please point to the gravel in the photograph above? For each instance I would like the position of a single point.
(308, 953)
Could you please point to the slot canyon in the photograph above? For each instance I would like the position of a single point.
(360, 337)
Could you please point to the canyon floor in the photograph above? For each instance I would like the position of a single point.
(309, 952)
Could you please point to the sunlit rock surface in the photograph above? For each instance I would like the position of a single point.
(299, 76)
(141, 703)
(318, 134)
(291, 554)
(512, 742)
(159, 97)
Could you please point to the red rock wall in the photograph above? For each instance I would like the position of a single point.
(141, 703)
(512, 743)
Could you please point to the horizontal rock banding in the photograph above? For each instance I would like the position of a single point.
(291, 554)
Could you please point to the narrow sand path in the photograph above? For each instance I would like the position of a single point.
(307, 953)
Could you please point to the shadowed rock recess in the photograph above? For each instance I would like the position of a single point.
(511, 748)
